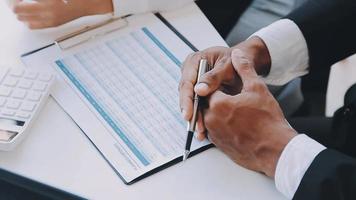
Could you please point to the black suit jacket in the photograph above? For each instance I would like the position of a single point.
(329, 27)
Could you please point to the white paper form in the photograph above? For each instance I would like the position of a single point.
(130, 83)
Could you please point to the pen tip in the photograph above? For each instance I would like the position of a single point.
(185, 155)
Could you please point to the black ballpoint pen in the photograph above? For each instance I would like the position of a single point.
(203, 66)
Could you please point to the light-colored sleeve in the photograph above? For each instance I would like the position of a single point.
(288, 50)
(125, 7)
(294, 161)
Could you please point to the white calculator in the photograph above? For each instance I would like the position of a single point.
(23, 93)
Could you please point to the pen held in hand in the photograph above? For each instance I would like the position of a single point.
(203, 67)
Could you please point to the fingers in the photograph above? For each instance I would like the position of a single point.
(218, 57)
(212, 80)
(187, 82)
(217, 100)
(27, 8)
(219, 107)
(38, 25)
(209, 82)
(245, 68)
(32, 13)
(200, 128)
(29, 18)
(250, 80)
(47, 13)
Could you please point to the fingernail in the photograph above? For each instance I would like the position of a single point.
(196, 135)
(237, 53)
(199, 129)
(201, 87)
(243, 61)
(185, 114)
(200, 136)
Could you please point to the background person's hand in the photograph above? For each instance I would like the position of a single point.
(249, 127)
(49, 13)
(222, 77)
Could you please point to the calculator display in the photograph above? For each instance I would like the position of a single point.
(7, 121)
(6, 135)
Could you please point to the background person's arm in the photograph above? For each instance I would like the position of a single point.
(50, 13)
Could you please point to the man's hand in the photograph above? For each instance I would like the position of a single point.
(49, 13)
(249, 127)
(222, 74)
(221, 77)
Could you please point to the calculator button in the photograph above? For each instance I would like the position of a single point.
(17, 72)
(5, 91)
(13, 104)
(2, 101)
(7, 112)
(45, 77)
(10, 81)
(39, 86)
(24, 115)
(19, 94)
(25, 84)
(3, 73)
(31, 75)
(28, 106)
(34, 96)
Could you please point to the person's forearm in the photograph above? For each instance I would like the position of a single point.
(95, 7)
(51, 13)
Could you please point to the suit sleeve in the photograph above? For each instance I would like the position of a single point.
(329, 29)
(331, 175)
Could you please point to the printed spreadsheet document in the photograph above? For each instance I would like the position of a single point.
(130, 83)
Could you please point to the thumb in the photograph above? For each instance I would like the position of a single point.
(212, 80)
(218, 96)
(244, 67)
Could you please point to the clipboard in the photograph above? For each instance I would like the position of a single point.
(60, 43)
(79, 32)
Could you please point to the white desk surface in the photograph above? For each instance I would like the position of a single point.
(56, 152)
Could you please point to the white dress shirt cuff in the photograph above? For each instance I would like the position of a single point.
(295, 159)
(288, 50)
